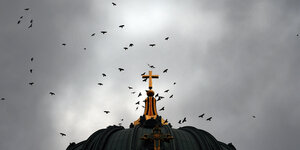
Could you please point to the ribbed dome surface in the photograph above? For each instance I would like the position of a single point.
(118, 138)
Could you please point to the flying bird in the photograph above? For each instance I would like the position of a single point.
(93, 34)
(137, 103)
(31, 21)
(151, 45)
(26, 9)
(114, 4)
(62, 134)
(201, 116)
(165, 71)
(160, 98)
(100, 83)
(30, 26)
(151, 66)
(174, 83)
(171, 96)
(184, 120)
(143, 73)
(163, 108)
(125, 48)
(130, 45)
(21, 17)
(19, 21)
(253, 116)
(2, 99)
(51, 93)
(167, 38)
(132, 92)
(31, 59)
(136, 108)
(103, 32)
(297, 34)
(143, 106)
(31, 83)
(103, 74)
(166, 91)
(121, 26)
(129, 87)
(140, 94)
(30, 70)
(166, 121)
(122, 119)
(145, 79)
(121, 69)
(209, 119)
(106, 111)
(156, 95)
(64, 44)
(179, 121)
(84, 48)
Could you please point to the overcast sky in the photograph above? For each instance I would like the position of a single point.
(230, 59)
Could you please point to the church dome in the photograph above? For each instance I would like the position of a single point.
(150, 132)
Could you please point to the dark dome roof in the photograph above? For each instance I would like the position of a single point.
(118, 138)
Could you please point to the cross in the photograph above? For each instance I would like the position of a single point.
(150, 76)
(156, 136)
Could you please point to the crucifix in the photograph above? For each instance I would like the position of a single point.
(150, 76)
(156, 136)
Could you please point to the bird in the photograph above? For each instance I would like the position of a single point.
(26, 9)
(145, 79)
(121, 26)
(62, 134)
(179, 121)
(163, 108)
(140, 94)
(174, 83)
(209, 119)
(143, 106)
(201, 116)
(184, 120)
(31, 21)
(114, 4)
(165, 71)
(130, 45)
(64, 44)
(136, 108)
(120, 124)
(160, 97)
(2, 99)
(103, 74)
(297, 34)
(93, 34)
(30, 26)
(19, 21)
(31, 59)
(84, 48)
(253, 116)
(129, 87)
(106, 111)
(100, 83)
(156, 95)
(167, 38)
(166, 121)
(122, 119)
(166, 91)
(151, 45)
(171, 96)
(143, 73)
(21, 17)
(103, 32)
(121, 69)
(31, 83)
(30, 70)
(137, 103)
(51, 93)
(125, 48)
(151, 66)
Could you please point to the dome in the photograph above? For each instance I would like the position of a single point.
(150, 132)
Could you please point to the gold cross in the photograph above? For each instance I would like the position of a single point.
(150, 76)
(157, 137)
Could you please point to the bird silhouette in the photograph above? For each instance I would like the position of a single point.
(31, 21)
(30, 26)
(174, 83)
(106, 111)
(163, 108)
(31, 59)
(201, 116)
(171, 96)
(93, 34)
(30, 70)
(62, 134)
(31, 83)
(103, 74)
(2, 99)
(100, 83)
(160, 98)
(145, 79)
(125, 48)
(130, 45)
(166, 121)
(121, 26)
(21, 17)
(103, 32)
(156, 95)
(19, 21)
(129, 87)
(209, 119)
(52, 93)
(166, 91)
(114, 4)
(64, 44)
(136, 108)
(132, 92)
(165, 71)
(121, 69)
(151, 66)
(143, 73)
(84, 48)
(184, 120)
(253, 116)
(26, 9)
(179, 121)
(297, 34)
(167, 38)
(122, 119)
(143, 106)
(137, 103)
(140, 94)
(151, 45)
